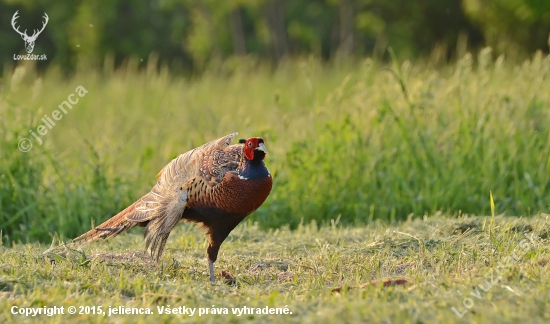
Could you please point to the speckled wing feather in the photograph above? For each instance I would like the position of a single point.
(209, 162)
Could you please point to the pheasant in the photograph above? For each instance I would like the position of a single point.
(216, 185)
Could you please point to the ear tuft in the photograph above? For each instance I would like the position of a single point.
(242, 141)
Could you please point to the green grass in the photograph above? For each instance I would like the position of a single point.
(360, 153)
(445, 259)
(355, 141)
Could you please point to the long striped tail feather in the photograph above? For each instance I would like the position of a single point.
(108, 229)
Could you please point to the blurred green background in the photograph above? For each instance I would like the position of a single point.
(371, 110)
(187, 35)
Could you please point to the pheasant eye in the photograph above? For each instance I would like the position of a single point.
(249, 143)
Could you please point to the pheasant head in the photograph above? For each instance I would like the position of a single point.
(254, 149)
(252, 165)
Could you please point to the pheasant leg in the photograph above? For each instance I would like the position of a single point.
(211, 267)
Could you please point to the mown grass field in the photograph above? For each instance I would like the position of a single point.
(361, 153)
(445, 259)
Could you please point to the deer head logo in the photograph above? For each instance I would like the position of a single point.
(29, 40)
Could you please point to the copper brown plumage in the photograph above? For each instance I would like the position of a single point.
(216, 185)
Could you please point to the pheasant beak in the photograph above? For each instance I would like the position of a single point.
(261, 147)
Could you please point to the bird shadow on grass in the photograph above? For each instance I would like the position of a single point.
(130, 260)
(79, 258)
